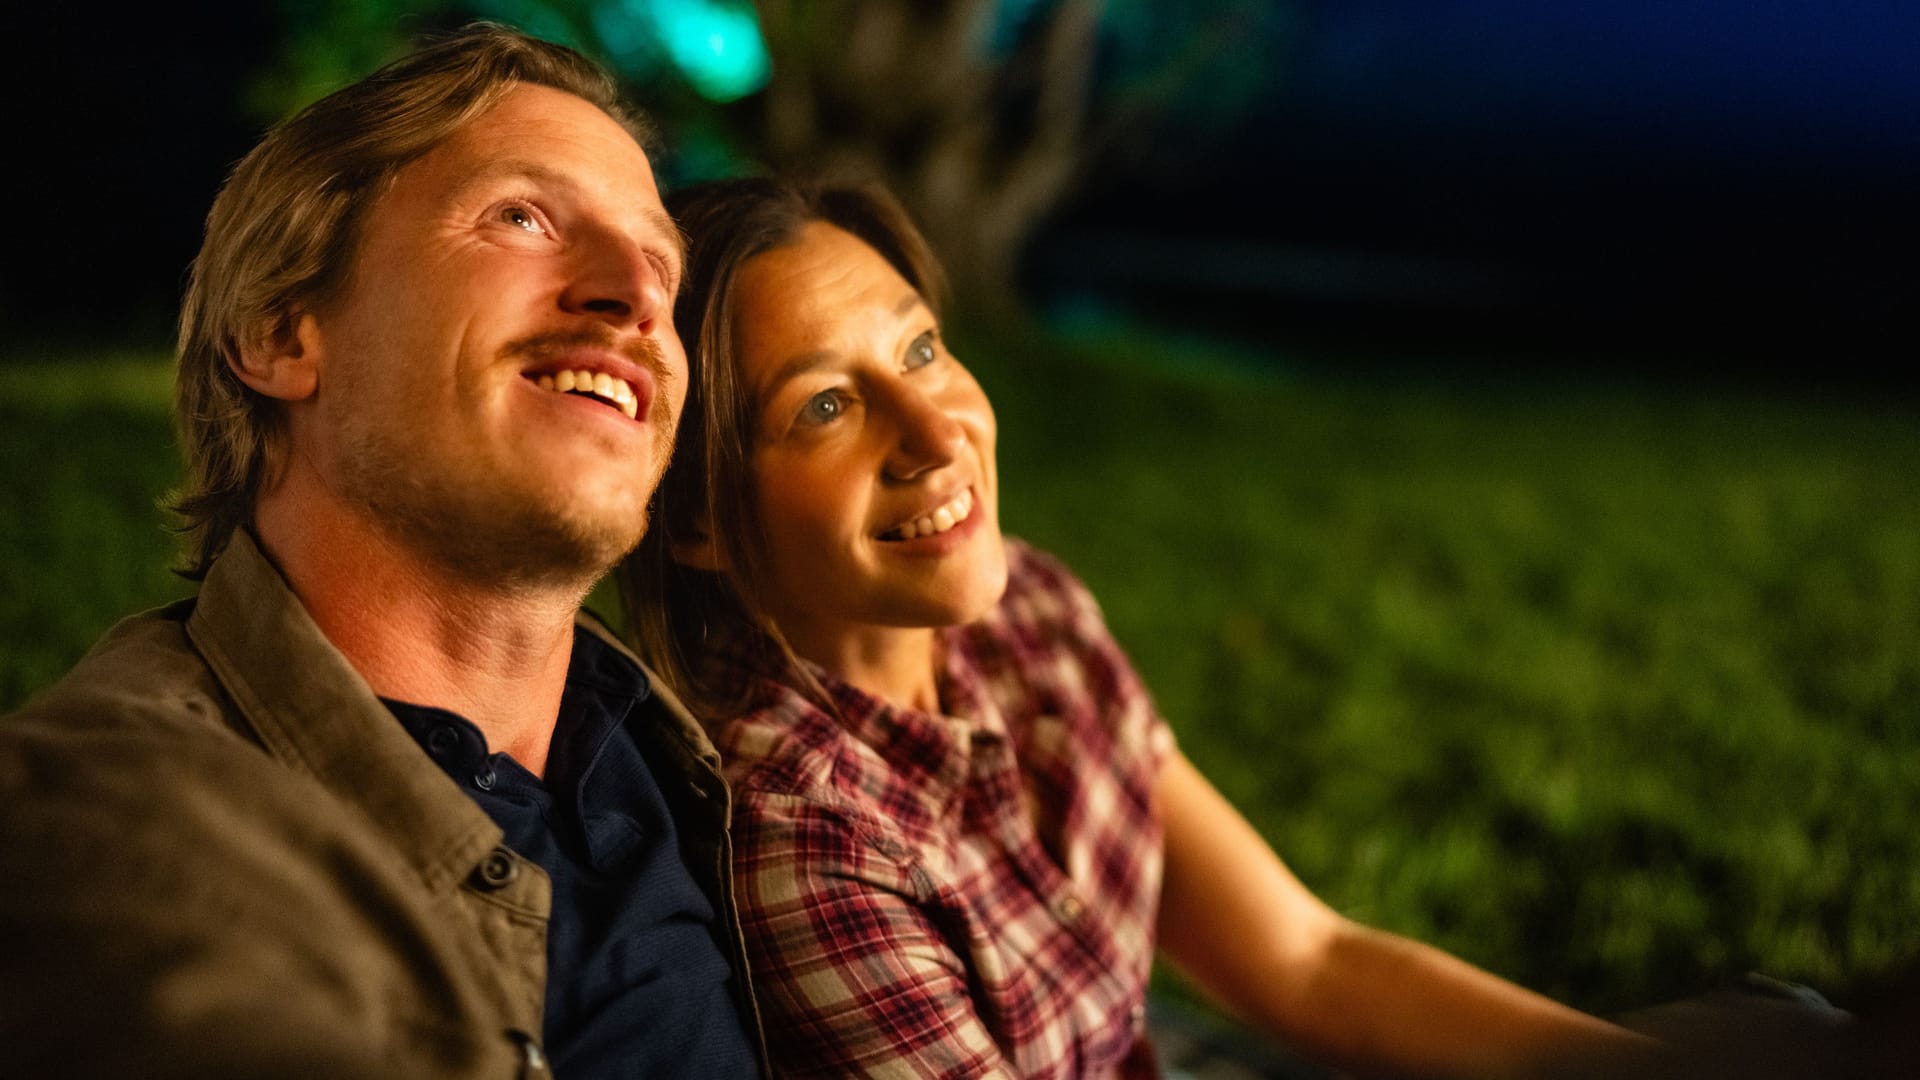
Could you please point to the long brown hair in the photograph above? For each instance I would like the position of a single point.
(283, 233)
(676, 613)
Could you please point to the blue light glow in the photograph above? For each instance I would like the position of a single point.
(717, 46)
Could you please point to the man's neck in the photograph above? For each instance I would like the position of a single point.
(422, 634)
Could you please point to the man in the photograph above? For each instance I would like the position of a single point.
(377, 801)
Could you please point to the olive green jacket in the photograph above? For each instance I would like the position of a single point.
(221, 856)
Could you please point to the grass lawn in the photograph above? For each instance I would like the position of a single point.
(1613, 690)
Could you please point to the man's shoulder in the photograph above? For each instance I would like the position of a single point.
(143, 679)
(166, 868)
(139, 728)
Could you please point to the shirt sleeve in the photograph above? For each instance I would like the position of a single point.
(854, 973)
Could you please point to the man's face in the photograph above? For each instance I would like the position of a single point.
(525, 257)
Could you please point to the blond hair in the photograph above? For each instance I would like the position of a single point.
(284, 230)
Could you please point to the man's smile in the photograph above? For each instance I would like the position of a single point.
(613, 391)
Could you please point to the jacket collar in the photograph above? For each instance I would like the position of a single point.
(314, 713)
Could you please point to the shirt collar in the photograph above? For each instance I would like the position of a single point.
(594, 765)
(934, 755)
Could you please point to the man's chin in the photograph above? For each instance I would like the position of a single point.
(507, 529)
(521, 550)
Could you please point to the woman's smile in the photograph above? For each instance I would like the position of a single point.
(941, 519)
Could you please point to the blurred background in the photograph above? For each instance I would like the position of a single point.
(1490, 425)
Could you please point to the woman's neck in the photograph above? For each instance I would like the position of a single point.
(893, 663)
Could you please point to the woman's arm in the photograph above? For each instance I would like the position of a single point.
(1237, 922)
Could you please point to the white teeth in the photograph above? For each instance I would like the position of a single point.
(940, 520)
(617, 392)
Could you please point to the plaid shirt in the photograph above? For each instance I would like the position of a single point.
(962, 895)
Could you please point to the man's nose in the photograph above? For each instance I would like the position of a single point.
(929, 437)
(614, 279)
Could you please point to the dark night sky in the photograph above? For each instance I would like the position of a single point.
(122, 128)
(1730, 178)
(1434, 165)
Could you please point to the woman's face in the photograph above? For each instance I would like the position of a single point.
(873, 448)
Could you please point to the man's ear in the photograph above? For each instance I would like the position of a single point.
(284, 361)
(698, 549)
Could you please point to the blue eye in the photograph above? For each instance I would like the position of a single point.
(921, 352)
(823, 408)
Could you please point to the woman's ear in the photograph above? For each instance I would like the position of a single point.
(697, 548)
(284, 361)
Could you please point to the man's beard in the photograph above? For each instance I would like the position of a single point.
(487, 522)
(495, 535)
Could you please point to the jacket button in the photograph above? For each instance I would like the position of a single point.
(533, 1063)
(496, 870)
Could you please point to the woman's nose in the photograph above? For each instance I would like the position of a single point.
(929, 437)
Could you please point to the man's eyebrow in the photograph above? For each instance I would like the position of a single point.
(500, 169)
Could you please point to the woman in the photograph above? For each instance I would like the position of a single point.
(952, 794)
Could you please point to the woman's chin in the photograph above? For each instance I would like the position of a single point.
(984, 583)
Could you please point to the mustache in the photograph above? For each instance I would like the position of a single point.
(555, 344)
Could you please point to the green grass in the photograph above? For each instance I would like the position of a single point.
(1614, 690)
(89, 451)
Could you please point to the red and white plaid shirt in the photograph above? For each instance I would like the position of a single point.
(962, 895)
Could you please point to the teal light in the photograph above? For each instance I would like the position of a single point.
(717, 46)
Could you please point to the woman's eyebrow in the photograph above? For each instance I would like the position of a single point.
(794, 368)
(813, 358)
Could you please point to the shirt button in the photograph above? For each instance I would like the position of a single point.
(497, 870)
(1137, 1016)
(443, 740)
(485, 779)
(1069, 907)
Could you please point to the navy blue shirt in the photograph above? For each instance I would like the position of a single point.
(637, 982)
